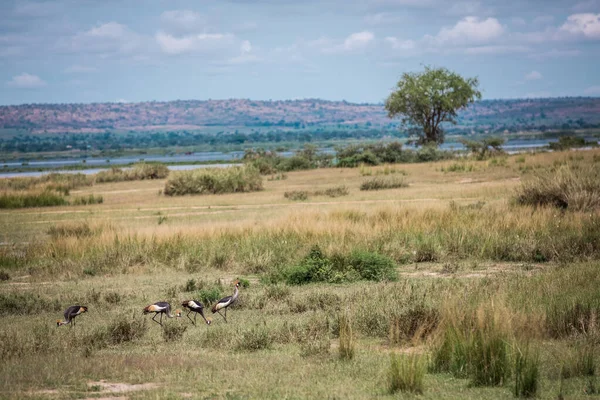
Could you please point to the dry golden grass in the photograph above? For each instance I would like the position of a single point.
(460, 245)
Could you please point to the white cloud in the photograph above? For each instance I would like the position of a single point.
(26, 81)
(592, 90)
(469, 30)
(193, 43)
(587, 25)
(533, 76)
(358, 41)
(107, 39)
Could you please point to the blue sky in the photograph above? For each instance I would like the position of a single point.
(71, 51)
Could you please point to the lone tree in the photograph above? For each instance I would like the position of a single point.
(426, 99)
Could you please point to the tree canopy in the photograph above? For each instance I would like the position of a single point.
(427, 99)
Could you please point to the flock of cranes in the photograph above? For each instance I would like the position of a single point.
(162, 307)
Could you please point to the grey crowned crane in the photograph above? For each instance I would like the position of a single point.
(197, 308)
(226, 301)
(70, 314)
(161, 307)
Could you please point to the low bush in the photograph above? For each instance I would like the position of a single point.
(568, 187)
(141, 171)
(86, 200)
(336, 191)
(417, 322)
(214, 181)
(296, 195)
(317, 267)
(580, 363)
(379, 183)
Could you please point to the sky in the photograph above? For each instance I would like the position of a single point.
(82, 51)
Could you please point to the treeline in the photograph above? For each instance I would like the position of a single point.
(120, 141)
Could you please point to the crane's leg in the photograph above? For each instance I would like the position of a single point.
(188, 315)
(195, 316)
(205, 320)
(155, 314)
(222, 314)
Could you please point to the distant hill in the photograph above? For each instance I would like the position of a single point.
(493, 115)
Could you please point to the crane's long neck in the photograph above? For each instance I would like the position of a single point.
(236, 292)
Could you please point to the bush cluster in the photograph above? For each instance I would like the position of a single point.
(381, 153)
(359, 265)
(214, 181)
(138, 172)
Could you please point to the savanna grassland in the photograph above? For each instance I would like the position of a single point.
(442, 279)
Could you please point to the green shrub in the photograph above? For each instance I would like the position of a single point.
(372, 266)
(210, 295)
(527, 373)
(406, 374)
(379, 183)
(214, 181)
(568, 187)
(296, 195)
(317, 267)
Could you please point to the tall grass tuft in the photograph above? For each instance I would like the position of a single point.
(473, 345)
(406, 374)
(569, 187)
(527, 373)
(347, 342)
(72, 229)
(214, 181)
